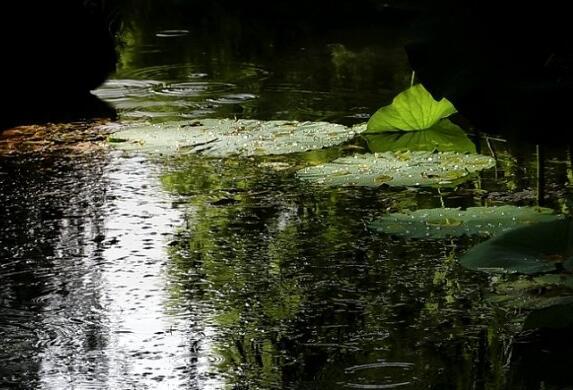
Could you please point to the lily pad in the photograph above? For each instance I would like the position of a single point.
(398, 169)
(413, 109)
(444, 136)
(228, 137)
(540, 248)
(453, 222)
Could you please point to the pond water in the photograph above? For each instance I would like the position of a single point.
(132, 271)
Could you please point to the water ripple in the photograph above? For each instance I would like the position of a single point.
(171, 33)
(194, 89)
(235, 98)
(368, 387)
(166, 72)
(123, 88)
(378, 365)
(188, 72)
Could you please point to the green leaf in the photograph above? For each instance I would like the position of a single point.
(413, 109)
(450, 222)
(227, 137)
(398, 169)
(444, 136)
(539, 248)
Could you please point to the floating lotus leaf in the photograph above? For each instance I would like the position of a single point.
(453, 222)
(398, 169)
(413, 109)
(227, 137)
(540, 248)
(444, 136)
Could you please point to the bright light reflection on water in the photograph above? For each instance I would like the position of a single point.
(124, 290)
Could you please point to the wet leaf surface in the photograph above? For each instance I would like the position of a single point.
(539, 248)
(228, 137)
(447, 222)
(398, 169)
(414, 109)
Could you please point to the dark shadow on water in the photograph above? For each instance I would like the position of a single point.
(54, 108)
(506, 66)
(53, 54)
(542, 359)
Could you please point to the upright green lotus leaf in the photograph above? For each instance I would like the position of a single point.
(398, 169)
(413, 109)
(450, 222)
(227, 137)
(539, 248)
(444, 136)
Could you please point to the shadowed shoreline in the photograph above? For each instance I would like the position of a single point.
(53, 54)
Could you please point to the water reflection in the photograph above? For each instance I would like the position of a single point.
(303, 295)
(126, 272)
(197, 273)
(249, 72)
(181, 91)
(117, 89)
(52, 214)
(98, 315)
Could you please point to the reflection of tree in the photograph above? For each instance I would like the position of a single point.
(242, 271)
(302, 295)
(514, 180)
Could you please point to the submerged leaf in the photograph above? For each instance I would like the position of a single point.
(444, 136)
(539, 248)
(448, 222)
(539, 257)
(398, 169)
(531, 299)
(550, 296)
(227, 137)
(413, 109)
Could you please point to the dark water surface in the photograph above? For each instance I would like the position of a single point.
(124, 271)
